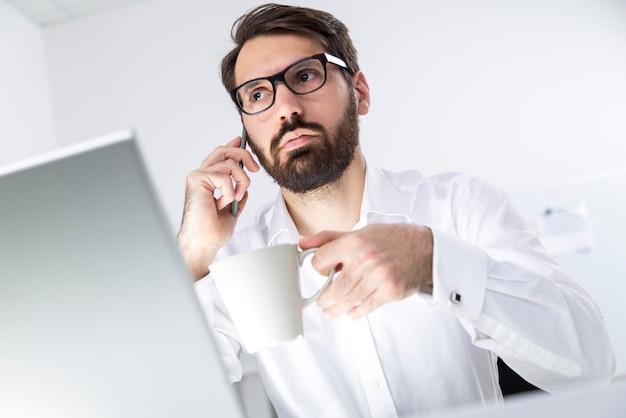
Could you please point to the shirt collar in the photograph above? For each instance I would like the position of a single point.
(382, 202)
(282, 229)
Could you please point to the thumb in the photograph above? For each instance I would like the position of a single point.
(325, 258)
(319, 239)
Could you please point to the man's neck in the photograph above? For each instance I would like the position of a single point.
(336, 206)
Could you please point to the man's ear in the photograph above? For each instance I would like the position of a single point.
(362, 89)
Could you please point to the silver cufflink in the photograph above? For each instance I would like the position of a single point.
(455, 297)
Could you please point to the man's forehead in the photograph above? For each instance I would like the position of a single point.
(268, 54)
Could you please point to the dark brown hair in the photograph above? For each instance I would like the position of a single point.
(273, 18)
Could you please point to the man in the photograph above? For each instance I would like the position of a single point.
(439, 276)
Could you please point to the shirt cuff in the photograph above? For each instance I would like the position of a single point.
(204, 295)
(459, 276)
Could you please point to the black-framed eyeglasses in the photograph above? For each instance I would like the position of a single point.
(302, 77)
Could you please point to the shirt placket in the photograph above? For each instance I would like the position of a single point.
(370, 371)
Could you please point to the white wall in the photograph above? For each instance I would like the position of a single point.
(26, 123)
(523, 93)
(152, 66)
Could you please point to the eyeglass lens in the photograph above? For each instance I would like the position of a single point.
(301, 78)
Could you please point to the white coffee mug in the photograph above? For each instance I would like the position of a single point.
(261, 291)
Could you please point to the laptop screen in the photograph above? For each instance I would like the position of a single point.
(98, 317)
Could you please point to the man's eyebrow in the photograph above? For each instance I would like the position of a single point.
(254, 82)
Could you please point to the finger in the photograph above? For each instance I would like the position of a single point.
(223, 183)
(344, 305)
(231, 151)
(319, 239)
(239, 177)
(375, 294)
(347, 290)
(242, 182)
(221, 176)
(328, 255)
(372, 302)
(346, 294)
(238, 155)
(241, 205)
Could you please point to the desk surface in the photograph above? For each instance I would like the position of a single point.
(605, 402)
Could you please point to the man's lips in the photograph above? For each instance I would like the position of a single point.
(296, 139)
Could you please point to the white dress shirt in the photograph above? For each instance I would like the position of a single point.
(496, 293)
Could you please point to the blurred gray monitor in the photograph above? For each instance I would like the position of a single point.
(98, 317)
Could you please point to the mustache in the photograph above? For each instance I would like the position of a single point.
(291, 125)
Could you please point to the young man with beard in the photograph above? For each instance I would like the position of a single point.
(439, 275)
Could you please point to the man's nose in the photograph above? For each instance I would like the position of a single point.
(287, 103)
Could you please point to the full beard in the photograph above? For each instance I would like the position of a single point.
(318, 163)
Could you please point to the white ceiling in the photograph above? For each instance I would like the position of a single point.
(49, 12)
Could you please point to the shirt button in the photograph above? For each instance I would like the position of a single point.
(374, 384)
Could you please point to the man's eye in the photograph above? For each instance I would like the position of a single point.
(307, 76)
(259, 95)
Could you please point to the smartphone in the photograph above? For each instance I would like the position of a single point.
(242, 145)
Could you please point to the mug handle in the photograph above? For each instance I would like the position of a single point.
(307, 301)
